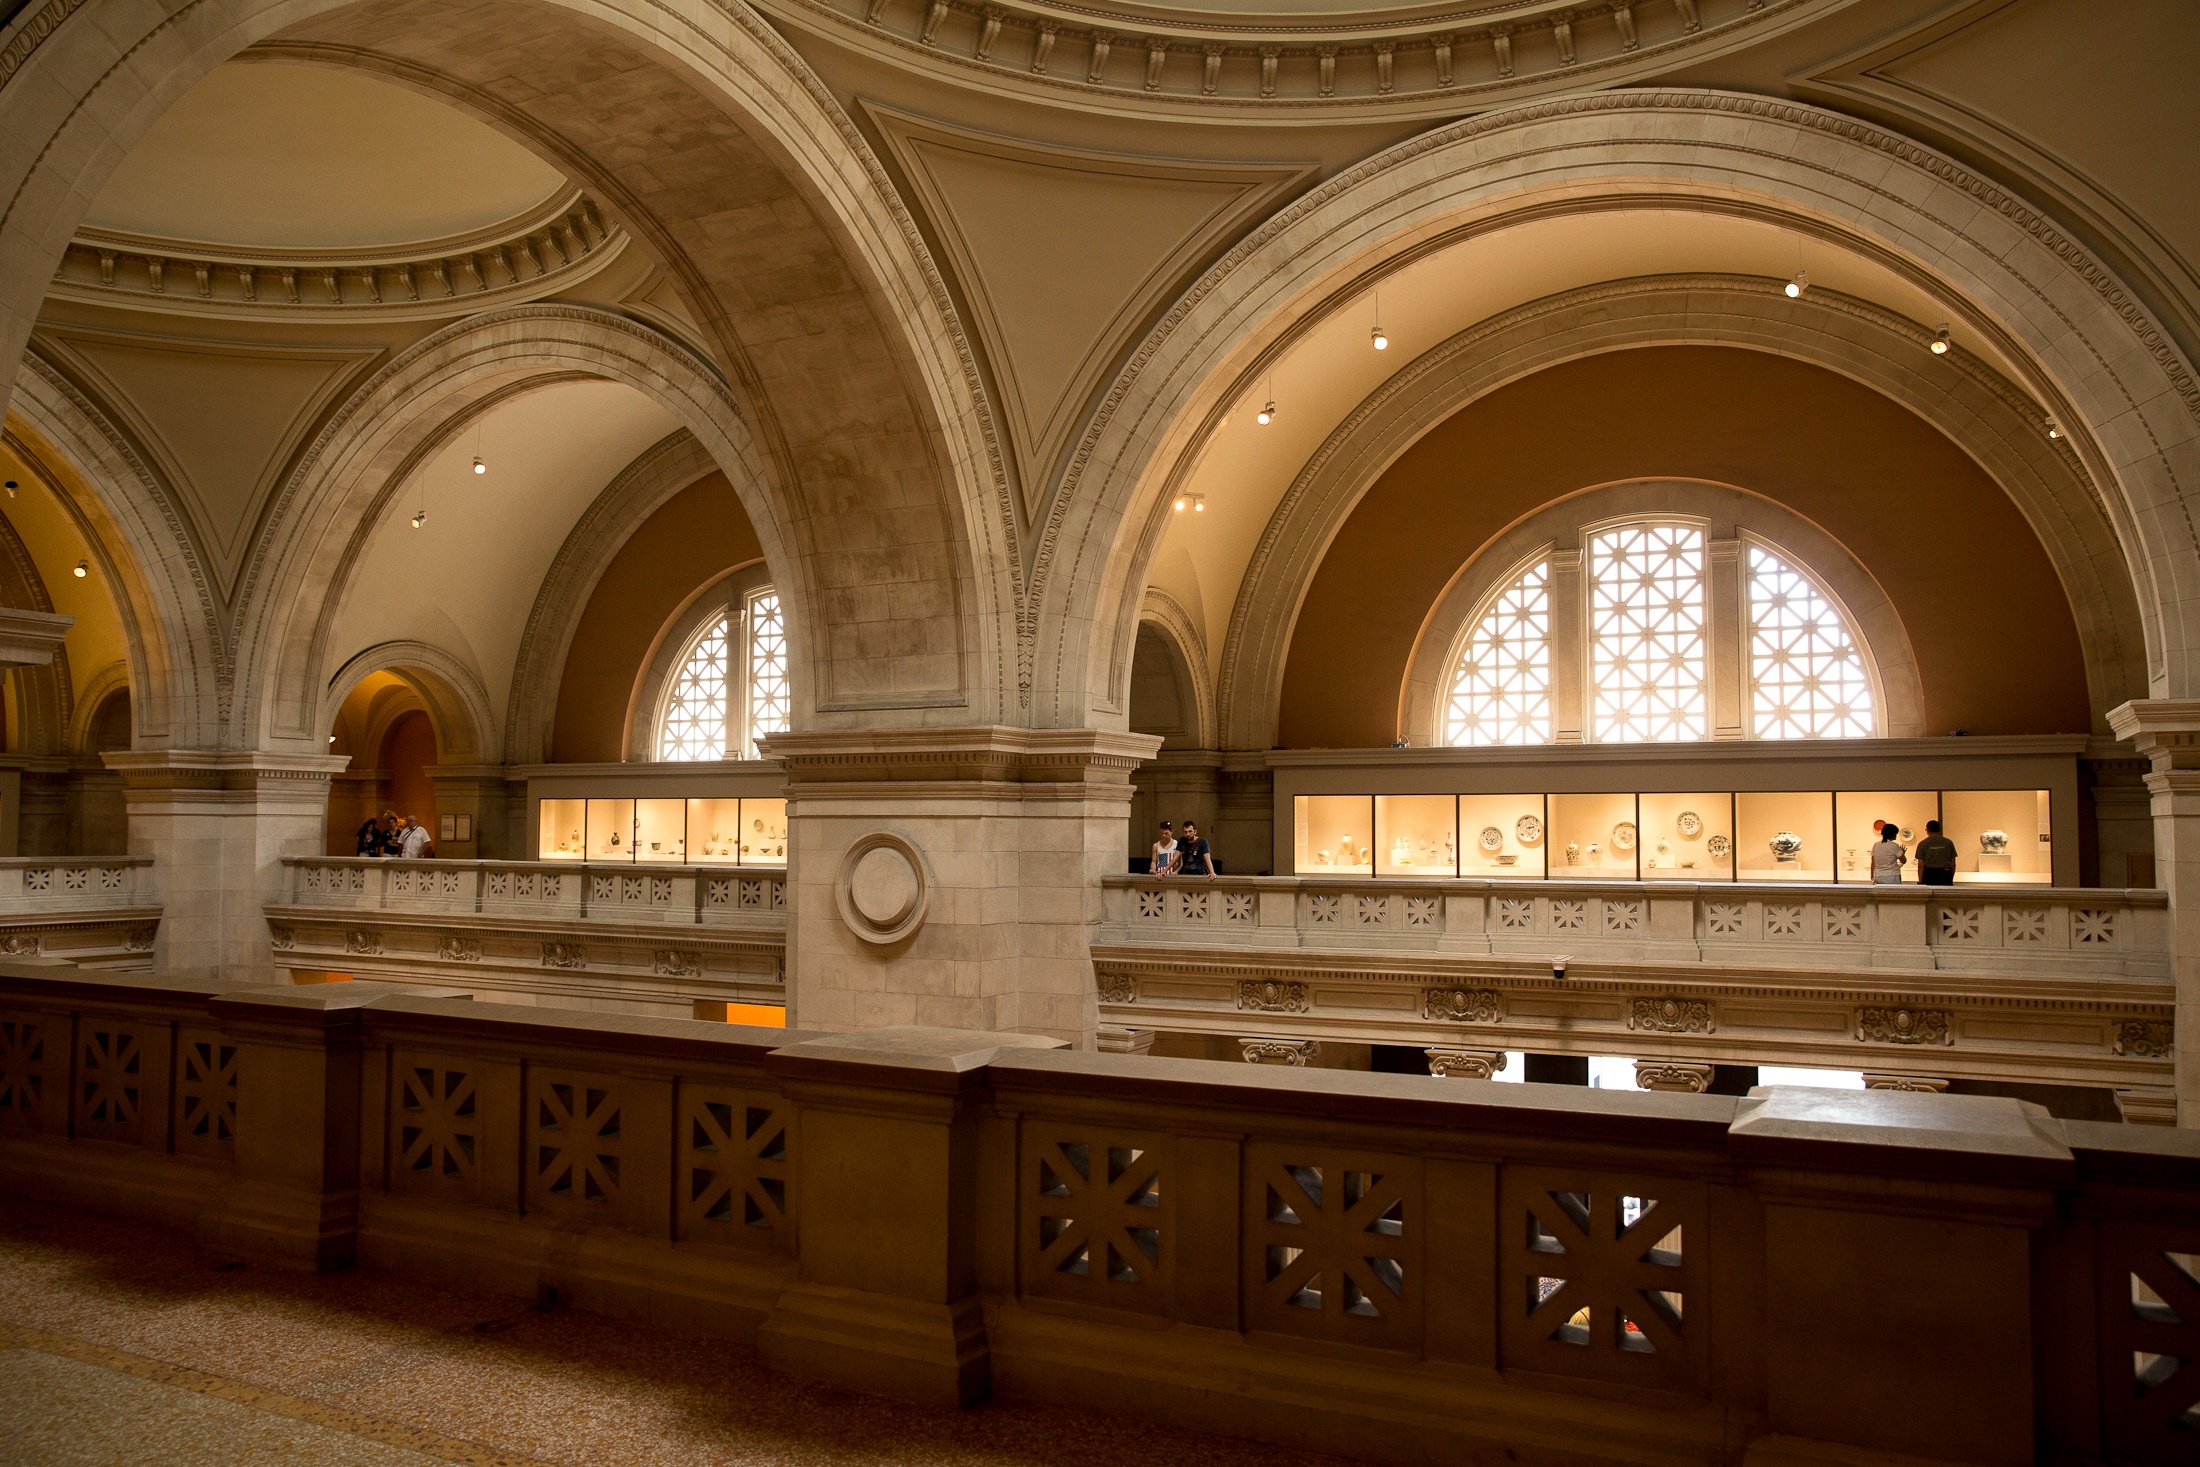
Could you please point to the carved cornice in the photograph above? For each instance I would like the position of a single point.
(546, 249)
(1405, 60)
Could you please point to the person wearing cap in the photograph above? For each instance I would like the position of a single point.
(1164, 852)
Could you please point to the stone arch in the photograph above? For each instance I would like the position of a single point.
(104, 684)
(176, 638)
(456, 703)
(1960, 394)
(2086, 350)
(44, 696)
(859, 387)
(641, 488)
(322, 516)
(1164, 615)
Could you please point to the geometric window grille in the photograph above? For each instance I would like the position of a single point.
(1806, 672)
(577, 1144)
(109, 1079)
(438, 1133)
(770, 699)
(734, 1157)
(1597, 1295)
(1648, 630)
(1500, 690)
(731, 685)
(1335, 1244)
(1096, 1220)
(206, 1096)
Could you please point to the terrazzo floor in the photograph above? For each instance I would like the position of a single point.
(123, 1345)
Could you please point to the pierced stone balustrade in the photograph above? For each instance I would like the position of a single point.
(99, 911)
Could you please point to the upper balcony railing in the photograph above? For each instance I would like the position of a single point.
(2059, 931)
(41, 884)
(552, 891)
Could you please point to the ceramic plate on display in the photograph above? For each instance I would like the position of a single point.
(1718, 846)
(1623, 836)
(1905, 834)
(1529, 829)
(1491, 839)
(1690, 825)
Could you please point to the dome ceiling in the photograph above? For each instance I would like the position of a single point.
(283, 155)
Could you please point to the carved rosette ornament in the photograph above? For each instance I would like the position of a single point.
(1672, 1015)
(564, 955)
(1904, 1026)
(675, 963)
(2146, 1038)
(364, 944)
(1117, 988)
(1267, 996)
(459, 949)
(1462, 1005)
(282, 939)
(140, 940)
(1673, 1076)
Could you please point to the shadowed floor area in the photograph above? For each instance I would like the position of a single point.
(125, 1344)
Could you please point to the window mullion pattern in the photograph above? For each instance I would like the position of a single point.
(1500, 690)
(694, 723)
(1806, 672)
(1648, 614)
(770, 698)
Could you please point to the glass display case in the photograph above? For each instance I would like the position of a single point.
(660, 830)
(763, 832)
(562, 835)
(1417, 835)
(2000, 835)
(1502, 835)
(1334, 835)
(1593, 837)
(610, 830)
(1687, 837)
(1784, 836)
(714, 832)
(1857, 815)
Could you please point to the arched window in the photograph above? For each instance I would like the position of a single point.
(1806, 674)
(1501, 692)
(1615, 642)
(729, 687)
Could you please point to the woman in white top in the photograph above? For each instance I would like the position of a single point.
(1164, 852)
(1888, 856)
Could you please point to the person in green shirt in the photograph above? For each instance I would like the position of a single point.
(1936, 857)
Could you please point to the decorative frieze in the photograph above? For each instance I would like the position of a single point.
(1904, 1026)
(281, 938)
(1117, 988)
(363, 944)
(1269, 996)
(1672, 1015)
(453, 949)
(1923, 1085)
(1463, 1005)
(675, 963)
(564, 955)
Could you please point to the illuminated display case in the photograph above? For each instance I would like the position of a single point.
(660, 830)
(1856, 814)
(1416, 835)
(563, 832)
(2015, 821)
(1335, 835)
(1784, 836)
(1593, 837)
(1503, 835)
(714, 832)
(1687, 837)
(610, 830)
(763, 832)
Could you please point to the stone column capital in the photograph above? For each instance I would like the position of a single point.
(2165, 730)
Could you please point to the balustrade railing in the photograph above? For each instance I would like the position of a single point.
(1380, 1265)
(556, 890)
(32, 884)
(2049, 930)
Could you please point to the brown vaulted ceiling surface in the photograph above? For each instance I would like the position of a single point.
(1997, 649)
(697, 536)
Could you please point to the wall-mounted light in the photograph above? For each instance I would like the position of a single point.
(82, 569)
(1940, 343)
(1798, 285)
(479, 466)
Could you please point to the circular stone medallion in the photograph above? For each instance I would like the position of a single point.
(883, 888)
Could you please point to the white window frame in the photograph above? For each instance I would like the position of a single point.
(734, 601)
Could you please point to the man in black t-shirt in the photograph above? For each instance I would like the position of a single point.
(1194, 857)
(1936, 857)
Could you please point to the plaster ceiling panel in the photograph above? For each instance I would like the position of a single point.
(1063, 255)
(282, 154)
(221, 419)
(50, 534)
(1244, 469)
(466, 580)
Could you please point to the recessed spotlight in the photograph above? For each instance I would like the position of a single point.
(1940, 343)
(83, 568)
(1266, 415)
(479, 466)
(1382, 342)
(1799, 284)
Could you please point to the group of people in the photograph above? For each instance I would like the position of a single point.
(1187, 854)
(392, 834)
(1936, 856)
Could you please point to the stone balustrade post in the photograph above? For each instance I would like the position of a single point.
(887, 1167)
(2167, 732)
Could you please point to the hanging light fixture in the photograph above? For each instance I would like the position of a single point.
(1940, 343)
(479, 466)
(420, 519)
(1266, 415)
(1799, 284)
(1382, 342)
(82, 569)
